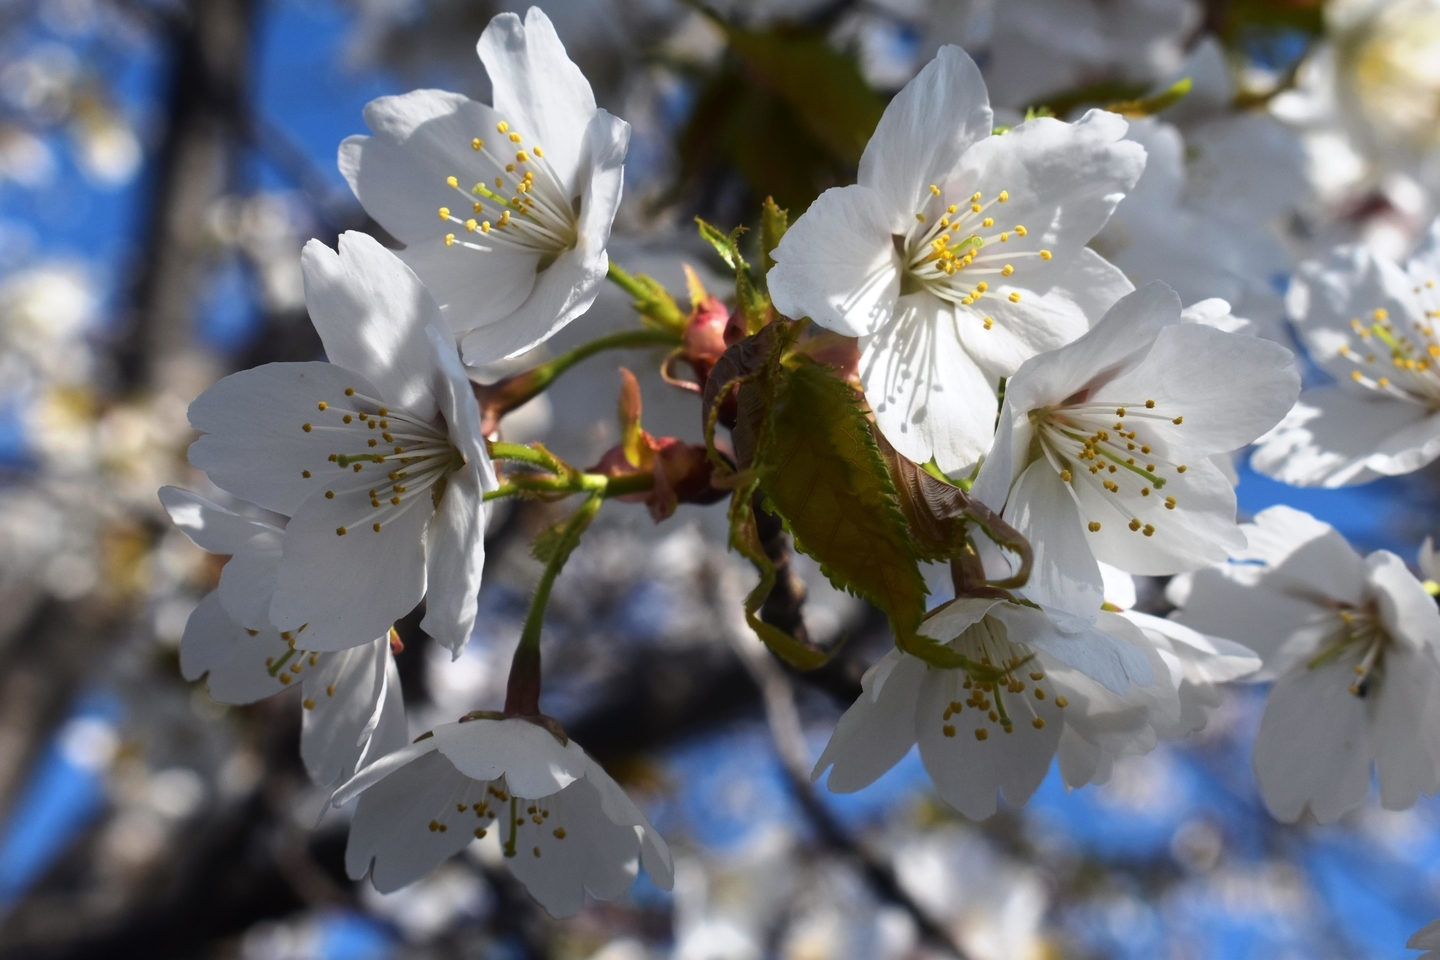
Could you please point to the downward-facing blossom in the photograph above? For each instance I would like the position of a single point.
(982, 737)
(564, 825)
(505, 211)
(376, 457)
(1371, 324)
(958, 254)
(351, 698)
(1352, 644)
(1198, 663)
(1103, 447)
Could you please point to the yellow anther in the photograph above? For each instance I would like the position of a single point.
(305, 474)
(1061, 702)
(1149, 530)
(503, 127)
(329, 494)
(934, 190)
(451, 181)
(981, 733)
(339, 531)
(1144, 491)
(953, 208)
(982, 286)
(538, 152)
(348, 419)
(1020, 231)
(306, 427)
(477, 144)
(485, 227)
(920, 217)
(1381, 315)
(449, 239)
(1015, 297)
(988, 222)
(1037, 723)
(522, 157)
(1006, 270)
(1044, 254)
(975, 208)
(1178, 420)
(444, 213)
(514, 138)
(1094, 526)
(1169, 503)
(471, 225)
(1065, 475)
(1005, 238)
(1181, 469)
(989, 323)
(308, 704)
(1135, 524)
(948, 729)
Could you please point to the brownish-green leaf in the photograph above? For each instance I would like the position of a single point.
(821, 470)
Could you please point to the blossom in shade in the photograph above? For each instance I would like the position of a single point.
(1103, 447)
(563, 824)
(981, 737)
(1370, 323)
(376, 457)
(504, 210)
(958, 254)
(352, 704)
(1353, 644)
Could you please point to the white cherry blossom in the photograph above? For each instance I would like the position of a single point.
(376, 457)
(978, 737)
(1103, 447)
(1354, 647)
(1201, 663)
(958, 254)
(525, 191)
(352, 703)
(1370, 324)
(563, 824)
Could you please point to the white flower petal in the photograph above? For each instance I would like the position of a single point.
(1065, 574)
(928, 395)
(248, 579)
(923, 133)
(532, 761)
(476, 289)
(255, 445)
(1077, 642)
(1407, 727)
(593, 853)
(391, 828)
(837, 264)
(875, 733)
(454, 560)
(617, 805)
(1406, 609)
(421, 138)
(343, 692)
(538, 90)
(1314, 746)
(234, 658)
(1063, 179)
(1221, 413)
(1334, 438)
(346, 590)
(371, 312)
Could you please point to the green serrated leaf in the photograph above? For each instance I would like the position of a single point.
(753, 302)
(725, 246)
(773, 224)
(820, 468)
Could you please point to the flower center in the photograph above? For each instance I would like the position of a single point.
(946, 251)
(519, 204)
(1408, 372)
(414, 455)
(1359, 636)
(523, 823)
(1107, 447)
(985, 642)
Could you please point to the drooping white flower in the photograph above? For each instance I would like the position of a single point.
(1201, 663)
(564, 825)
(1352, 644)
(352, 700)
(958, 255)
(1427, 938)
(980, 737)
(525, 191)
(1370, 324)
(1103, 446)
(375, 456)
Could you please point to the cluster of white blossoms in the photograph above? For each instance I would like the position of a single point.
(995, 345)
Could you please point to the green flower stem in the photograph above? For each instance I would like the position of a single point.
(656, 307)
(522, 694)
